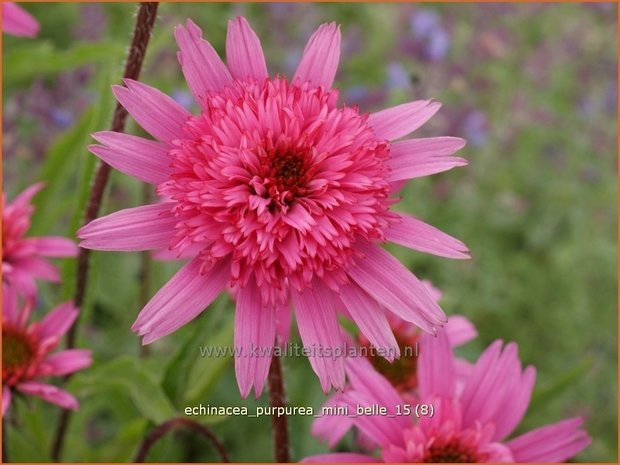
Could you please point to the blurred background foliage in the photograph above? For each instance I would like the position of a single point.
(533, 88)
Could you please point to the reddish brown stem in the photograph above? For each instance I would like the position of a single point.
(277, 398)
(176, 423)
(145, 20)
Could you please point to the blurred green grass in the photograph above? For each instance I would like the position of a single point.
(536, 205)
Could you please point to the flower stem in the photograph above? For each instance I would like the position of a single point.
(279, 423)
(145, 20)
(158, 432)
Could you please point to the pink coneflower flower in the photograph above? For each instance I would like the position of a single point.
(285, 193)
(401, 374)
(18, 22)
(23, 257)
(27, 352)
(469, 424)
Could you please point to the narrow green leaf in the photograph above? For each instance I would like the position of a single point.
(134, 379)
(50, 61)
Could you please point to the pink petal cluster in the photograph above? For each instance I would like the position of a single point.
(18, 22)
(472, 417)
(24, 258)
(27, 352)
(401, 374)
(278, 193)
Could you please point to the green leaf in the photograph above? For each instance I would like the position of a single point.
(50, 61)
(206, 371)
(87, 164)
(545, 394)
(134, 379)
(178, 371)
(68, 152)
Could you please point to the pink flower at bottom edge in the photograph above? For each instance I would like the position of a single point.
(401, 373)
(18, 22)
(27, 352)
(24, 258)
(468, 425)
(285, 195)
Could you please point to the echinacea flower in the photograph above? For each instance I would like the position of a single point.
(401, 373)
(28, 352)
(285, 195)
(23, 258)
(466, 425)
(18, 22)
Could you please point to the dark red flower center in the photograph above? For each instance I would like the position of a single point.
(402, 372)
(285, 172)
(18, 352)
(452, 451)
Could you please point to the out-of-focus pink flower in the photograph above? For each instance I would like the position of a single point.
(23, 258)
(286, 195)
(18, 22)
(27, 352)
(401, 373)
(468, 425)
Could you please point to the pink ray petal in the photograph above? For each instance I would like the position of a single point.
(141, 228)
(340, 457)
(319, 62)
(181, 299)
(332, 428)
(403, 119)
(18, 22)
(54, 246)
(24, 198)
(146, 160)
(460, 330)
(482, 397)
(203, 69)
(414, 158)
(10, 312)
(244, 54)
(49, 393)
(58, 321)
(366, 380)
(156, 112)
(319, 330)
(396, 288)
(517, 402)
(418, 235)
(283, 323)
(255, 332)
(552, 443)
(39, 268)
(370, 318)
(381, 429)
(6, 399)
(68, 361)
(436, 375)
(22, 282)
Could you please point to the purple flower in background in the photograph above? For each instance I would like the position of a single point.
(61, 117)
(423, 22)
(433, 37)
(183, 98)
(475, 128)
(397, 76)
